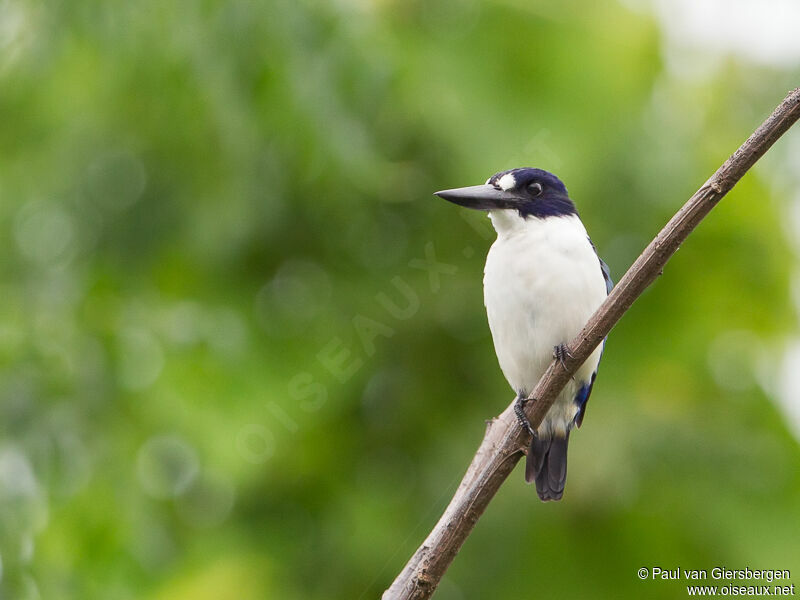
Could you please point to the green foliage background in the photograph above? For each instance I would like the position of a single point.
(205, 206)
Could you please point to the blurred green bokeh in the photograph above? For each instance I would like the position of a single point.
(227, 370)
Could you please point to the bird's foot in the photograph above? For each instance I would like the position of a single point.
(519, 410)
(561, 352)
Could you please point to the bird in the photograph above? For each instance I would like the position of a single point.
(542, 282)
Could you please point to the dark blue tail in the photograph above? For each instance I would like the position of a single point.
(547, 465)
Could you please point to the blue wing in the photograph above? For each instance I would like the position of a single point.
(582, 397)
(606, 274)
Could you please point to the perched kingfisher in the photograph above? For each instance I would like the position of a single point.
(542, 281)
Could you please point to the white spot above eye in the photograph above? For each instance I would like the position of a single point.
(507, 182)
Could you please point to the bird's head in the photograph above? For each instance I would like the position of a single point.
(527, 191)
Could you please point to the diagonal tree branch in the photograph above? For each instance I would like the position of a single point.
(505, 441)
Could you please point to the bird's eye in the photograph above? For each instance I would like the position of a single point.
(535, 188)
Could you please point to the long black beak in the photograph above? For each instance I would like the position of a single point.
(480, 197)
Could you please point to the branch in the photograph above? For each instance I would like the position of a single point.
(505, 441)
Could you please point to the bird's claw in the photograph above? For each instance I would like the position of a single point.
(519, 410)
(561, 352)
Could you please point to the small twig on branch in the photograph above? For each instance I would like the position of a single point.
(505, 440)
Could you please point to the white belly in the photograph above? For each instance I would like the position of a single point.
(542, 282)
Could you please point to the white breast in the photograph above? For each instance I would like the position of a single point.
(542, 282)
